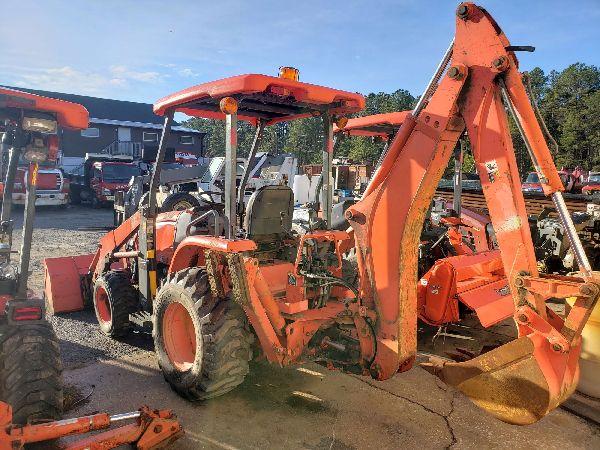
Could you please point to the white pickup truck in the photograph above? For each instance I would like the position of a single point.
(186, 187)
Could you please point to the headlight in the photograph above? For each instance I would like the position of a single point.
(39, 124)
(289, 73)
(106, 191)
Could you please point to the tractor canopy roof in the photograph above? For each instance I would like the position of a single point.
(68, 115)
(272, 99)
(376, 125)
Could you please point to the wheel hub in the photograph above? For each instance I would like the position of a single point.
(179, 336)
(102, 305)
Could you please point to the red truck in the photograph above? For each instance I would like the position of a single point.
(572, 180)
(592, 185)
(52, 187)
(100, 177)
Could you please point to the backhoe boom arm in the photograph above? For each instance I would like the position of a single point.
(387, 225)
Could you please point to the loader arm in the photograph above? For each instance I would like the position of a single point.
(522, 381)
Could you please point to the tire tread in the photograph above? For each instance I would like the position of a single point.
(226, 339)
(30, 371)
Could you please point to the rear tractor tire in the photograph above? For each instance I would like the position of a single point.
(202, 343)
(114, 300)
(179, 201)
(30, 372)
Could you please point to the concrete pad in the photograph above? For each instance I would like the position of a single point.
(313, 408)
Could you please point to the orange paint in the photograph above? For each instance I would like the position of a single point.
(376, 125)
(69, 115)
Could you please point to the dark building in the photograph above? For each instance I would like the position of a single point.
(118, 127)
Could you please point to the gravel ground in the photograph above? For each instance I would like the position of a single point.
(73, 231)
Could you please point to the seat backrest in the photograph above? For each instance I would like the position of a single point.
(269, 213)
(338, 215)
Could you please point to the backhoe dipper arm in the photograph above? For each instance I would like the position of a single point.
(387, 224)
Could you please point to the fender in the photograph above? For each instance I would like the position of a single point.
(190, 252)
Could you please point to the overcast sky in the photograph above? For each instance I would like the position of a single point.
(143, 50)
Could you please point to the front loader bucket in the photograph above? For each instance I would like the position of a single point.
(519, 382)
(64, 282)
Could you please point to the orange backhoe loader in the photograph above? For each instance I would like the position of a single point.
(209, 295)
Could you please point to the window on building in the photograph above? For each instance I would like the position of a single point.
(149, 136)
(91, 132)
(186, 140)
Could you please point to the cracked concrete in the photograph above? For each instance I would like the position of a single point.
(342, 412)
(444, 416)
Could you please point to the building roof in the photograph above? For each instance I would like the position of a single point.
(104, 108)
(154, 126)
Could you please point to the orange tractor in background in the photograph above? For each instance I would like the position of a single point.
(30, 365)
(212, 281)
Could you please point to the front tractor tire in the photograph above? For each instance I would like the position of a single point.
(202, 343)
(114, 300)
(30, 371)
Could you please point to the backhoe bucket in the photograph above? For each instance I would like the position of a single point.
(65, 282)
(519, 382)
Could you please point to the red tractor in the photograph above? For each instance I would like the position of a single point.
(212, 281)
(30, 365)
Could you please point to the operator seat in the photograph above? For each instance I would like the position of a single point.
(269, 213)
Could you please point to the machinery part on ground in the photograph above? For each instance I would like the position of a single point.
(70, 289)
(179, 201)
(202, 342)
(114, 300)
(151, 429)
(460, 269)
(30, 371)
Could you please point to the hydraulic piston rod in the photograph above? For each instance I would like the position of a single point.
(557, 197)
(28, 222)
(433, 82)
(457, 180)
(381, 171)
